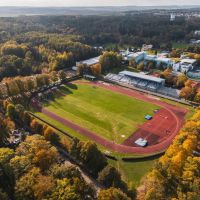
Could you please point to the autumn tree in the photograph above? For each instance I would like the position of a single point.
(92, 158)
(61, 75)
(84, 69)
(36, 126)
(39, 151)
(181, 81)
(11, 112)
(140, 66)
(112, 194)
(189, 91)
(3, 195)
(65, 171)
(197, 97)
(89, 155)
(51, 136)
(132, 63)
(110, 60)
(24, 185)
(20, 165)
(6, 175)
(3, 132)
(72, 189)
(43, 187)
(96, 69)
(26, 119)
(110, 177)
(168, 76)
(12, 48)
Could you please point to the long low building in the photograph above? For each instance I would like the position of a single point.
(89, 62)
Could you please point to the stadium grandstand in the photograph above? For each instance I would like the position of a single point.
(138, 80)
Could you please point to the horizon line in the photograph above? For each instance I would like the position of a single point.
(96, 6)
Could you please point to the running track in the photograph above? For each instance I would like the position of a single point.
(158, 141)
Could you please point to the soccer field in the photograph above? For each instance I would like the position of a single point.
(111, 115)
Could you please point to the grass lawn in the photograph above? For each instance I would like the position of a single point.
(180, 45)
(122, 68)
(133, 171)
(111, 115)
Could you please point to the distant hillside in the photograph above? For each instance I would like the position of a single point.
(17, 11)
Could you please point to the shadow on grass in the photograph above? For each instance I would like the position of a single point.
(72, 86)
(54, 99)
(66, 90)
(153, 157)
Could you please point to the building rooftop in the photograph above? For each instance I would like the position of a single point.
(162, 55)
(148, 56)
(136, 54)
(162, 59)
(142, 76)
(89, 76)
(189, 61)
(90, 61)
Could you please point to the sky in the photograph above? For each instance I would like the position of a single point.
(68, 3)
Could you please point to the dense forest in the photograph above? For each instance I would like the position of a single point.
(38, 52)
(129, 29)
(38, 44)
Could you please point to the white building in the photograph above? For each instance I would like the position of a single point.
(138, 56)
(197, 32)
(172, 17)
(195, 41)
(187, 64)
(147, 47)
(150, 57)
(165, 61)
(176, 67)
(184, 65)
(163, 55)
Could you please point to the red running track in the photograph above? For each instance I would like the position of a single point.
(160, 131)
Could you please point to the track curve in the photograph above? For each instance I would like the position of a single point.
(177, 116)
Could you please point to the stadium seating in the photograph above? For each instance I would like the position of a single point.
(142, 83)
(152, 86)
(134, 81)
(125, 79)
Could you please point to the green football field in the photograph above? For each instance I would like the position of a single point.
(112, 115)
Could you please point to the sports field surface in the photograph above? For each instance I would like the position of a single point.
(113, 116)
(109, 114)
